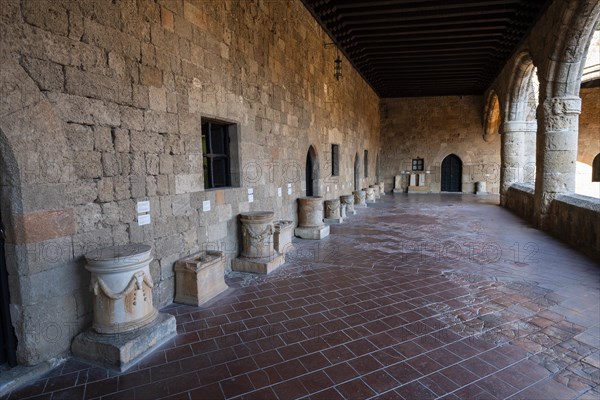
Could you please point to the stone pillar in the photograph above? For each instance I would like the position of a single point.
(556, 152)
(512, 160)
(348, 200)
(360, 198)
(310, 218)
(333, 212)
(122, 287)
(370, 197)
(258, 254)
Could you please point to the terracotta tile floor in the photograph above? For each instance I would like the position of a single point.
(417, 297)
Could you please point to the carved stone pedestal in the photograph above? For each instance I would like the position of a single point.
(375, 190)
(360, 199)
(310, 219)
(382, 188)
(370, 195)
(126, 326)
(199, 278)
(258, 254)
(333, 212)
(348, 201)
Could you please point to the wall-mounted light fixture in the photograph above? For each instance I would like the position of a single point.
(337, 63)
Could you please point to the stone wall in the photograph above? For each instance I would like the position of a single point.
(520, 200)
(574, 219)
(102, 103)
(432, 128)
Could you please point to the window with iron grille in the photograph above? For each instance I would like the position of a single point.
(417, 164)
(216, 154)
(335, 160)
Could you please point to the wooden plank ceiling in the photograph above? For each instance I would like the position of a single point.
(409, 48)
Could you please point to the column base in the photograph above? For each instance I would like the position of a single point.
(333, 220)
(264, 265)
(316, 233)
(121, 351)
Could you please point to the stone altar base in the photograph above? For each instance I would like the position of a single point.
(264, 265)
(330, 221)
(199, 278)
(316, 233)
(123, 350)
(418, 189)
(399, 190)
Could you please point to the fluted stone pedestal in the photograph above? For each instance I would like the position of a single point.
(370, 198)
(126, 326)
(348, 201)
(310, 218)
(333, 212)
(360, 199)
(258, 254)
(199, 278)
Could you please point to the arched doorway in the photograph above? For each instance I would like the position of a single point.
(356, 172)
(452, 174)
(312, 172)
(8, 342)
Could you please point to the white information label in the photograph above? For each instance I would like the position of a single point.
(250, 198)
(279, 192)
(328, 188)
(206, 205)
(290, 189)
(143, 219)
(143, 207)
(251, 191)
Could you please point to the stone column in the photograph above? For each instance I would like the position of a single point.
(348, 200)
(360, 198)
(556, 152)
(310, 218)
(512, 147)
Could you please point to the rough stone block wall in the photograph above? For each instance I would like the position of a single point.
(432, 128)
(102, 103)
(588, 145)
(520, 200)
(574, 219)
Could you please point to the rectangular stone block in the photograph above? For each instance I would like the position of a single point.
(199, 278)
(264, 265)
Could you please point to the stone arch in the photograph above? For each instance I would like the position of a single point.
(567, 58)
(560, 105)
(523, 79)
(312, 172)
(492, 117)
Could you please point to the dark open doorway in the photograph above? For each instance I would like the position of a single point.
(356, 172)
(452, 174)
(8, 341)
(312, 172)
